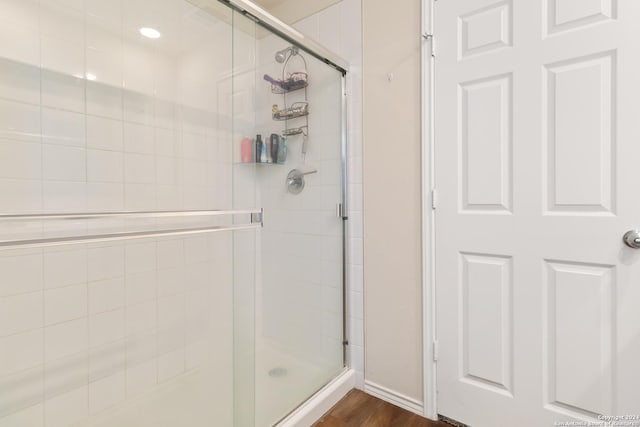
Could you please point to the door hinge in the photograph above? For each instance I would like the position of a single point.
(432, 43)
(435, 351)
(434, 198)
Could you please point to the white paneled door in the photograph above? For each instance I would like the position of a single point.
(537, 154)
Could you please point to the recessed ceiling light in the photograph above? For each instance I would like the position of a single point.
(149, 32)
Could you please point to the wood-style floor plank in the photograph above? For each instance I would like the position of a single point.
(358, 409)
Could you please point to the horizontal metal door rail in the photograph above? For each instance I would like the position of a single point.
(124, 214)
(100, 238)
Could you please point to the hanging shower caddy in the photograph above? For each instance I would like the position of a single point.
(291, 82)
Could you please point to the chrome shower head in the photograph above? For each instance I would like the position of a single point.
(281, 55)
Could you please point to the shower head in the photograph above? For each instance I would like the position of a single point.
(281, 55)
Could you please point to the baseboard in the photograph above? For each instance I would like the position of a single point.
(394, 398)
(314, 408)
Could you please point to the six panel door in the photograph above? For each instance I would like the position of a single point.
(536, 143)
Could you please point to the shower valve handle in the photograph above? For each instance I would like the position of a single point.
(295, 180)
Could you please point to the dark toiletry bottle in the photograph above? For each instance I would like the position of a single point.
(274, 147)
(258, 147)
(282, 150)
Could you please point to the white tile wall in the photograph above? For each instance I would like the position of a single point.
(106, 327)
(60, 196)
(65, 374)
(339, 27)
(31, 416)
(27, 393)
(20, 160)
(92, 326)
(19, 121)
(106, 360)
(63, 127)
(20, 196)
(104, 134)
(64, 304)
(141, 377)
(20, 313)
(64, 267)
(21, 351)
(68, 408)
(105, 166)
(21, 273)
(64, 163)
(85, 327)
(106, 295)
(65, 339)
(171, 364)
(20, 82)
(106, 392)
(301, 275)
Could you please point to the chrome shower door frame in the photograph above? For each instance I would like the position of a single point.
(297, 39)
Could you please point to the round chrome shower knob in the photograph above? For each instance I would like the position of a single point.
(295, 180)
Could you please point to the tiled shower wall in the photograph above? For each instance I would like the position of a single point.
(139, 136)
(301, 286)
(91, 120)
(339, 28)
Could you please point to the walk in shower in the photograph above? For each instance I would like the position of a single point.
(161, 264)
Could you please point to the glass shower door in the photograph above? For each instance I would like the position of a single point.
(137, 286)
(299, 295)
(293, 344)
(118, 224)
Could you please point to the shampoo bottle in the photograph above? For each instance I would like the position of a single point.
(263, 151)
(275, 146)
(267, 144)
(259, 145)
(282, 150)
(246, 150)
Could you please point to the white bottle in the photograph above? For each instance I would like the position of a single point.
(263, 152)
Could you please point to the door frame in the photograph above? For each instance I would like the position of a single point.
(429, 201)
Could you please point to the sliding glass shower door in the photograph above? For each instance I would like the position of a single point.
(118, 219)
(152, 272)
(284, 95)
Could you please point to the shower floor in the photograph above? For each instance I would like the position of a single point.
(204, 396)
(282, 383)
(196, 399)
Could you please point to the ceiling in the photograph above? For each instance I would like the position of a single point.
(291, 11)
(269, 4)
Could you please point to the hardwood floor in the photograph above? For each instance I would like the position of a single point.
(358, 409)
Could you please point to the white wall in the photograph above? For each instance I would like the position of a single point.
(392, 199)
